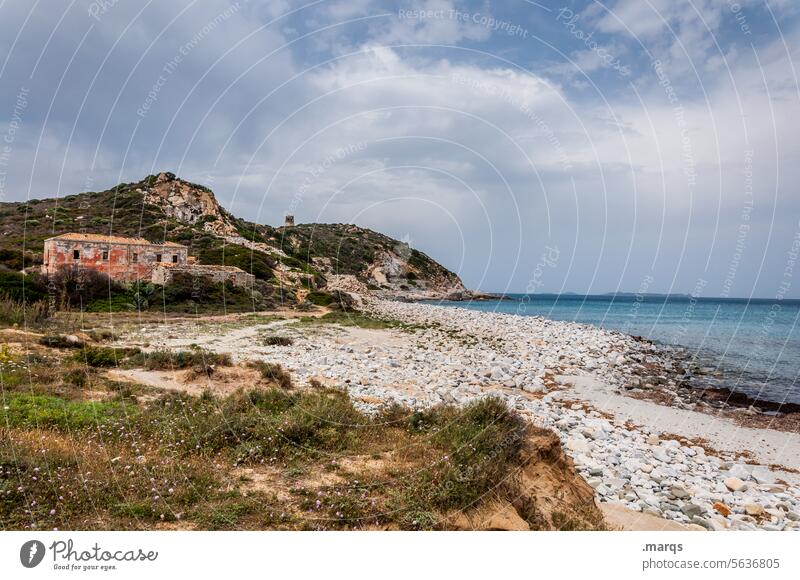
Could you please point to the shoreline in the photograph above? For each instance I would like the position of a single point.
(700, 371)
(665, 461)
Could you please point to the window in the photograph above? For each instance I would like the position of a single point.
(135, 257)
(158, 257)
(76, 254)
(175, 258)
(105, 254)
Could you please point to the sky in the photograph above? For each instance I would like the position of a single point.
(591, 147)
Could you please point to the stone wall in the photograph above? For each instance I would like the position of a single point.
(163, 274)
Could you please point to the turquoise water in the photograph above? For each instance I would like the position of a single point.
(754, 345)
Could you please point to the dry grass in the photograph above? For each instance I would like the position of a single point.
(82, 452)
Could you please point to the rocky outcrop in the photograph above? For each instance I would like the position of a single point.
(187, 202)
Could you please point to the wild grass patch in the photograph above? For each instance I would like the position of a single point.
(171, 458)
(179, 359)
(272, 373)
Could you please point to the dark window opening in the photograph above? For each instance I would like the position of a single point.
(158, 257)
(135, 257)
(76, 254)
(175, 259)
(105, 254)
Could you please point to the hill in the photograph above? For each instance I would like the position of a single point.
(292, 261)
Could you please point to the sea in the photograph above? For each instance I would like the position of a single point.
(749, 346)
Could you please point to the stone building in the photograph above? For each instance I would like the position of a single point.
(288, 222)
(121, 259)
(131, 259)
(163, 273)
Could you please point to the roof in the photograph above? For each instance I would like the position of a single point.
(76, 237)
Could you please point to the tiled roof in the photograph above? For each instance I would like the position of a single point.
(112, 240)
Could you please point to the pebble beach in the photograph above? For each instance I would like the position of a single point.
(670, 460)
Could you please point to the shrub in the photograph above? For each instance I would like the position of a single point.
(481, 442)
(80, 287)
(100, 356)
(77, 377)
(102, 334)
(319, 298)
(277, 341)
(22, 287)
(61, 341)
(180, 359)
(273, 373)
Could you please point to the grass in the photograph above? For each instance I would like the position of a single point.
(272, 373)
(180, 359)
(342, 318)
(44, 411)
(277, 341)
(22, 313)
(104, 357)
(81, 452)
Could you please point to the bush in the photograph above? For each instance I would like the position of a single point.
(277, 341)
(188, 293)
(81, 287)
(22, 287)
(77, 377)
(100, 356)
(319, 298)
(481, 441)
(12, 259)
(181, 359)
(272, 372)
(61, 341)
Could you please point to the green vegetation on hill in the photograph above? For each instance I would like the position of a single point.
(119, 211)
(351, 248)
(122, 211)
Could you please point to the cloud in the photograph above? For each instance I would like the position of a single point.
(484, 152)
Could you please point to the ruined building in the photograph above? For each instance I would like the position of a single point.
(289, 221)
(131, 259)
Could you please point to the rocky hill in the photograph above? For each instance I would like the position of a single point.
(163, 207)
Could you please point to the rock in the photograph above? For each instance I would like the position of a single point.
(763, 475)
(735, 484)
(578, 445)
(794, 516)
(678, 492)
(740, 525)
(722, 508)
(754, 509)
(739, 471)
(692, 509)
(653, 440)
(703, 523)
(533, 388)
